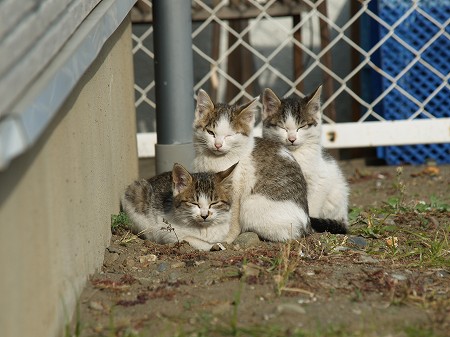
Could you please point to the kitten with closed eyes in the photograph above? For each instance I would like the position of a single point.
(296, 124)
(269, 190)
(197, 206)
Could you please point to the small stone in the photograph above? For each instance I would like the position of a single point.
(247, 240)
(340, 249)
(110, 259)
(399, 277)
(162, 267)
(173, 278)
(129, 262)
(185, 248)
(357, 311)
(442, 273)
(147, 258)
(367, 259)
(180, 264)
(290, 308)
(358, 241)
(217, 247)
(113, 250)
(97, 306)
(389, 222)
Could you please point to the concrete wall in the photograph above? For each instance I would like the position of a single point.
(56, 199)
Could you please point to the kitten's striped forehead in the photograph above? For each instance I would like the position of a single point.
(294, 108)
(292, 113)
(221, 112)
(224, 119)
(204, 185)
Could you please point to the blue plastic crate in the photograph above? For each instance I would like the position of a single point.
(419, 81)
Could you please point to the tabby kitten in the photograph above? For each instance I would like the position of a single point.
(269, 189)
(296, 123)
(197, 206)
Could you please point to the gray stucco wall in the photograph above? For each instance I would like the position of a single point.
(56, 199)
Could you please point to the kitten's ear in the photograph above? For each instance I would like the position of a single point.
(314, 102)
(271, 103)
(204, 104)
(249, 111)
(181, 179)
(227, 174)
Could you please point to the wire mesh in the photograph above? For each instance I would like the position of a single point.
(377, 60)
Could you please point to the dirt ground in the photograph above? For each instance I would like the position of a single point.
(389, 277)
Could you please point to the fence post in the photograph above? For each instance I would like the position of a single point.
(174, 83)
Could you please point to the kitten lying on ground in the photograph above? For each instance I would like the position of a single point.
(197, 206)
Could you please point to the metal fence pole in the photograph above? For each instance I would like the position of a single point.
(174, 83)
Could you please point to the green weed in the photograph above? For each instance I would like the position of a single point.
(120, 220)
(72, 329)
(286, 265)
(412, 331)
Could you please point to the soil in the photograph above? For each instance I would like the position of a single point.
(389, 277)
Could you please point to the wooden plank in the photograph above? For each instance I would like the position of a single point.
(354, 135)
(402, 132)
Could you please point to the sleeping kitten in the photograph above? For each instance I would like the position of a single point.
(269, 189)
(296, 123)
(197, 206)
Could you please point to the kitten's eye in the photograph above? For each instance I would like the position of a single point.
(210, 132)
(192, 204)
(303, 126)
(218, 203)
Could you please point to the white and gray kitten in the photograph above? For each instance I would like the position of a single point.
(269, 188)
(296, 123)
(197, 206)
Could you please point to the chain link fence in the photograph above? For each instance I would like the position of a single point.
(378, 60)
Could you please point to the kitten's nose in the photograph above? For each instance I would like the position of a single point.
(292, 139)
(218, 146)
(204, 216)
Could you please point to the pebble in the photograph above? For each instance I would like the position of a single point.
(290, 308)
(442, 273)
(112, 250)
(173, 278)
(367, 259)
(180, 264)
(110, 259)
(357, 241)
(94, 305)
(217, 247)
(147, 258)
(162, 267)
(129, 262)
(399, 277)
(247, 240)
(340, 249)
